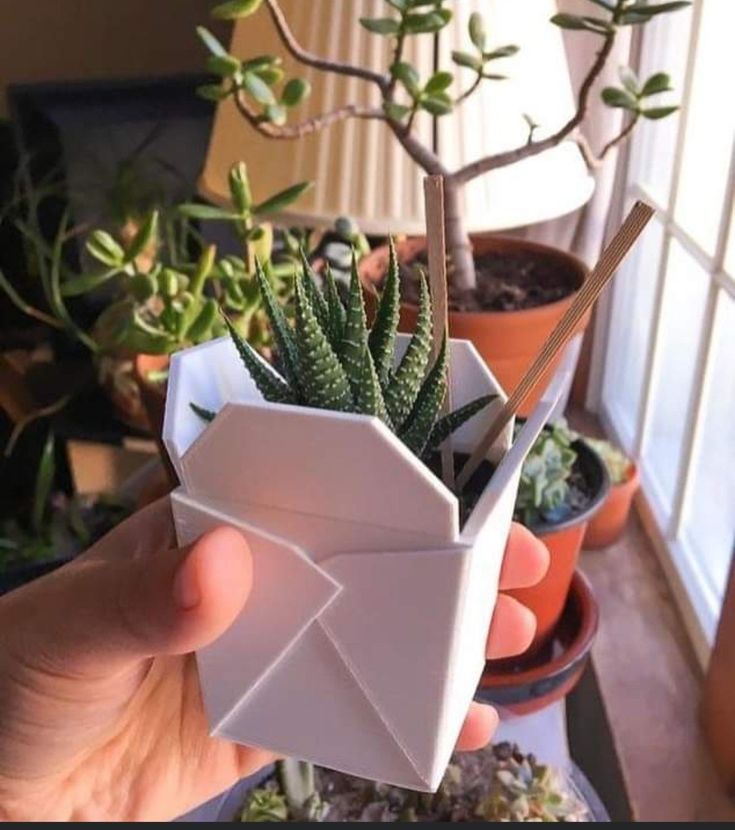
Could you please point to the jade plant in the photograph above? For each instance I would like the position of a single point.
(330, 360)
(544, 491)
(264, 97)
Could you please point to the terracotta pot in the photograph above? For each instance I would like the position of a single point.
(525, 685)
(153, 396)
(608, 524)
(507, 340)
(564, 541)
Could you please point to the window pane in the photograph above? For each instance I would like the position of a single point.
(710, 126)
(665, 46)
(730, 252)
(630, 328)
(685, 293)
(709, 525)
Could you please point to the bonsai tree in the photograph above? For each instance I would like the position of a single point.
(329, 359)
(255, 85)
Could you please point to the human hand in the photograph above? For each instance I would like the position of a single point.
(101, 715)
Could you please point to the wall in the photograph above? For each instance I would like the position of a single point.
(61, 40)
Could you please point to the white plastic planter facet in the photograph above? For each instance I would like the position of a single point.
(363, 639)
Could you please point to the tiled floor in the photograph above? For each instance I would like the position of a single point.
(650, 683)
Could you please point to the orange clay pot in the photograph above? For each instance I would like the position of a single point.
(564, 541)
(507, 340)
(608, 524)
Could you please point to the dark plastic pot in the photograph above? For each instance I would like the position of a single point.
(564, 541)
(529, 684)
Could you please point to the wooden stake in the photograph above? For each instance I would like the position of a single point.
(605, 269)
(437, 255)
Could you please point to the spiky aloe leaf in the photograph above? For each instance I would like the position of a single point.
(204, 414)
(318, 303)
(282, 333)
(417, 429)
(322, 379)
(382, 337)
(336, 310)
(403, 387)
(354, 338)
(270, 384)
(368, 394)
(445, 426)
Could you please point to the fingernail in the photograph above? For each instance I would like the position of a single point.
(186, 587)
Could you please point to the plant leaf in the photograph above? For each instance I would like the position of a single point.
(355, 337)
(405, 383)
(380, 25)
(654, 113)
(204, 414)
(233, 9)
(438, 82)
(321, 377)
(395, 111)
(416, 431)
(316, 300)
(660, 82)
(211, 42)
(337, 315)
(478, 33)
(382, 336)
(467, 60)
(258, 88)
(368, 394)
(502, 52)
(143, 238)
(445, 426)
(270, 384)
(629, 80)
(283, 335)
(438, 104)
(295, 91)
(282, 199)
(105, 248)
(615, 97)
(426, 22)
(193, 210)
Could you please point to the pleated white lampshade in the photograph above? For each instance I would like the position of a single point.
(359, 168)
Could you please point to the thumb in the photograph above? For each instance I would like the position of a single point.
(97, 615)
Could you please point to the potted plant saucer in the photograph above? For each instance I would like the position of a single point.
(361, 554)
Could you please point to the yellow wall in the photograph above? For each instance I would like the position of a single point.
(58, 40)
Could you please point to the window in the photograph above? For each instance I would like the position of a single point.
(668, 382)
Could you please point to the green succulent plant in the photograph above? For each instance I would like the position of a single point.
(543, 492)
(617, 462)
(328, 359)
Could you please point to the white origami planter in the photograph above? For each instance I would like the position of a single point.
(363, 640)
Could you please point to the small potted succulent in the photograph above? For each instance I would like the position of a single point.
(608, 524)
(563, 485)
(506, 295)
(324, 458)
(53, 528)
(499, 783)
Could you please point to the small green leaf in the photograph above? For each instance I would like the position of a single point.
(261, 62)
(380, 25)
(283, 199)
(336, 311)
(382, 337)
(407, 75)
(467, 60)
(212, 92)
(395, 111)
(629, 79)
(502, 52)
(426, 22)
(438, 82)
(654, 113)
(589, 24)
(211, 42)
(143, 238)
(105, 248)
(604, 4)
(272, 75)
(270, 384)
(193, 210)
(645, 10)
(86, 282)
(233, 9)
(450, 423)
(615, 97)
(224, 65)
(258, 88)
(313, 295)
(239, 185)
(282, 334)
(295, 91)
(660, 82)
(439, 104)
(355, 335)
(201, 326)
(478, 33)
(367, 392)
(417, 430)
(275, 114)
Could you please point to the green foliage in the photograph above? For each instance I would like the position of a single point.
(265, 804)
(616, 461)
(633, 95)
(354, 372)
(543, 492)
(622, 13)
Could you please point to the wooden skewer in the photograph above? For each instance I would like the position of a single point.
(437, 255)
(605, 269)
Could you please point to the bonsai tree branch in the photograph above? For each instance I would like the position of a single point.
(308, 126)
(533, 148)
(621, 137)
(594, 161)
(323, 64)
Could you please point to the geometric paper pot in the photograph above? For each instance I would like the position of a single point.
(359, 169)
(363, 639)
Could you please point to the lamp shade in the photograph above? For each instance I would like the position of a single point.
(358, 166)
